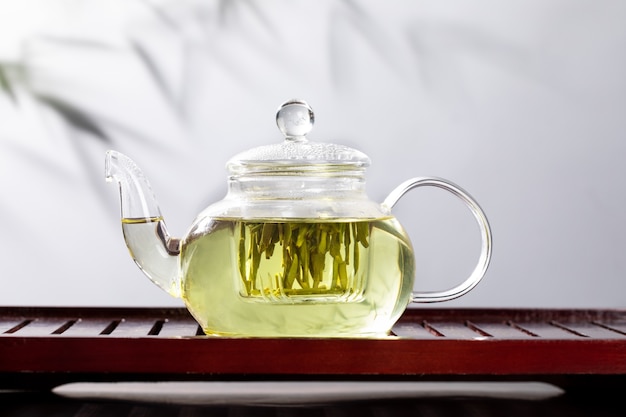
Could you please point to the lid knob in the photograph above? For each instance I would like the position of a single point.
(295, 119)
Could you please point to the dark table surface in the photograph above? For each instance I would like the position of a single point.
(24, 404)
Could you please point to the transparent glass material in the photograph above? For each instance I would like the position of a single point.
(295, 248)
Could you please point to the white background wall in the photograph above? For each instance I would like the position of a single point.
(522, 103)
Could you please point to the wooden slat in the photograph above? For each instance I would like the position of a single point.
(615, 328)
(133, 327)
(7, 324)
(504, 330)
(41, 326)
(412, 331)
(179, 327)
(86, 327)
(550, 330)
(453, 329)
(588, 329)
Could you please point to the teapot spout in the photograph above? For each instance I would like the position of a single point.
(148, 241)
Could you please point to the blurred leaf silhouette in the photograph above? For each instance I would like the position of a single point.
(73, 41)
(5, 84)
(154, 71)
(75, 117)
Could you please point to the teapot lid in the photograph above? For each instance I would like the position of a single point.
(296, 153)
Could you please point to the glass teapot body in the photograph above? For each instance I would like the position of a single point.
(296, 260)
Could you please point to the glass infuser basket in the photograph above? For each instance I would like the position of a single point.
(294, 249)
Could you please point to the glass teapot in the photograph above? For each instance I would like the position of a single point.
(295, 248)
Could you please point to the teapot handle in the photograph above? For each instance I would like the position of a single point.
(485, 231)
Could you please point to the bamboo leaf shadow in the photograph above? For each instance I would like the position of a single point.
(152, 67)
(5, 85)
(80, 121)
(162, 16)
(75, 117)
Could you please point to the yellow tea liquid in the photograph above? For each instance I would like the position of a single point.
(277, 278)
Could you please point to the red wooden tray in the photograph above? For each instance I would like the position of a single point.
(49, 346)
